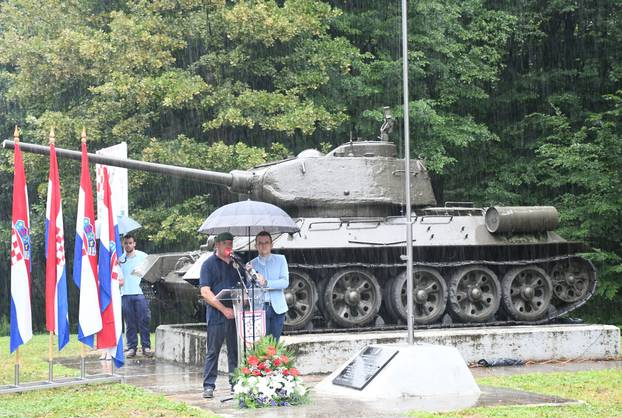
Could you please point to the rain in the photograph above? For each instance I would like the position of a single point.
(511, 105)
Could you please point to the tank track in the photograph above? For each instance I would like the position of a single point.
(440, 325)
(553, 312)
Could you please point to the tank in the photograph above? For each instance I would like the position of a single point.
(472, 266)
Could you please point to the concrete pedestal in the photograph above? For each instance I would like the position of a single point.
(432, 373)
(324, 353)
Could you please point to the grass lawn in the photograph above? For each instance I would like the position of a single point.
(601, 391)
(33, 359)
(105, 400)
(109, 400)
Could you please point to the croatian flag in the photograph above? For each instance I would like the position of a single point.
(21, 316)
(56, 309)
(85, 259)
(110, 337)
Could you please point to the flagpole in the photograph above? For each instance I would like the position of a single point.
(50, 359)
(16, 140)
(82, 365)
(82, 348)
(51, 141)
(409, 222)
(17, 366)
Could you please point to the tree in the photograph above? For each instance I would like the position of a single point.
(556, 112)
(456, 52)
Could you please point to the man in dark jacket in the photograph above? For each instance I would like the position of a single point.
(218, 273)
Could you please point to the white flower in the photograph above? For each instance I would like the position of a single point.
(264, 388)
(240, 388)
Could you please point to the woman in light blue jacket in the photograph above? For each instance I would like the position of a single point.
(272, 273)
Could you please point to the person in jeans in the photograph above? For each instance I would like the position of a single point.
(218, 273)
(273, 273)
(135, 307)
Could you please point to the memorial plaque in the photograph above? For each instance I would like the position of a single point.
(365, 366)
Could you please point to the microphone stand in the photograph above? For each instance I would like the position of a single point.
(252, 276)
(253, 305)
(236, 265)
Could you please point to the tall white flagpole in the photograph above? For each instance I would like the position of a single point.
(409, 229)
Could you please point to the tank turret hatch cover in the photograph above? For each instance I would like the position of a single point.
(310, 153)
(365, 149)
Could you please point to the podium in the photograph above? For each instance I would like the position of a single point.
(250, 316)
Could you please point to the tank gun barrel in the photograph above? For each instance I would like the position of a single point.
(214, 177)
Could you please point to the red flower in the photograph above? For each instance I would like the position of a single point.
(277, 362)
(245, 370)
(252, 360)
(284, 358)
(294, 371)
(261, 366)
(256, 373)
(267, 370)
(271, 350)
(285, 372)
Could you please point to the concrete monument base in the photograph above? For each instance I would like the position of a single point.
(437, 373)
(324, 353)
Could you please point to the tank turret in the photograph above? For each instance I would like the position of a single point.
(359, 178)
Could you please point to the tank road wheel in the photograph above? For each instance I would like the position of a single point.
(352, 297)
(388, 301)
(474, 294)
(429, 295)
(301, 296)
(571, 279)
(527, 293)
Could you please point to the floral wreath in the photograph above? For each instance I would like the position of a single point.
(267, 377)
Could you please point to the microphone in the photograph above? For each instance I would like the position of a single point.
(248, 267)
(251, 271)
(236, 258)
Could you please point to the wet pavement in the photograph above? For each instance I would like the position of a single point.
(184, 383)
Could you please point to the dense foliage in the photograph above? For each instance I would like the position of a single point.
(512, 102)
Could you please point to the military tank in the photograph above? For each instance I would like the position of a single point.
(472, 266)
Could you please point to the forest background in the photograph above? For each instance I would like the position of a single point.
(511, 103)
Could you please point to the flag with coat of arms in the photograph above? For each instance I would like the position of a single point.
(56, 307)
(85, 258)
(21, 313)
(110, 337)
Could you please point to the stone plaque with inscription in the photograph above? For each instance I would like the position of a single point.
(365, 366)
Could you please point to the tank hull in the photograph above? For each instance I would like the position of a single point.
(350, 272)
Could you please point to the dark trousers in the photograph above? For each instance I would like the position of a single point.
(274, 322)
(137, 317)
(216, 335)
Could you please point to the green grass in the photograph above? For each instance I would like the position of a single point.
(601, 391)
(33, 359)
(104, 400)
(110, 400)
